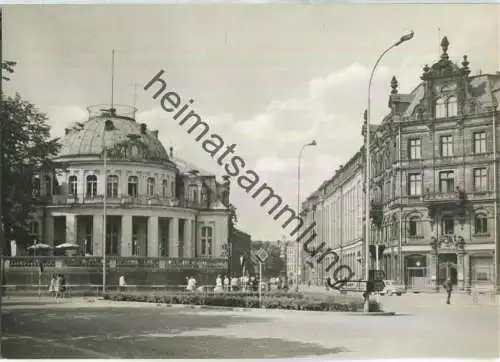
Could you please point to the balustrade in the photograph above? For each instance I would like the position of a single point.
(166, 263)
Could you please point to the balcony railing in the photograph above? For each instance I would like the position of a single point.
(441, 197)
(112, 262)
(124, 201)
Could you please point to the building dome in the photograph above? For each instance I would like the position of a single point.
(115, 129)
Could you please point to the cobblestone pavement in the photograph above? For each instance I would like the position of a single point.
(423, 327)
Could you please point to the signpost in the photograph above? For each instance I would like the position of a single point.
(261, 256)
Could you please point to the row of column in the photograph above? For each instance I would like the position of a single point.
(175, 248)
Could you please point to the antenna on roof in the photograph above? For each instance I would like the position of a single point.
(112, 80)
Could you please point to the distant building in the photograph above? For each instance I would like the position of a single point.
(337, 209)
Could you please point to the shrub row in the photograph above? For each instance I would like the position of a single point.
(250, 301)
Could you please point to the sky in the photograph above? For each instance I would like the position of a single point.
(269, 78)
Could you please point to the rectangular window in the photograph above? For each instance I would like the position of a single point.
(415, 184)
(479, 142)
(133, 182)
(206, 241)
(480, 224)
(415, 151)
(413, 227)
(446, 182)
(447, 226)
(480, 179)
(34, 228)
(446, 146)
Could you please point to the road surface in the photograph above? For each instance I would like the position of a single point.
(424, 327)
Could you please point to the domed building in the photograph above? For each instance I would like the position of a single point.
(146, 202)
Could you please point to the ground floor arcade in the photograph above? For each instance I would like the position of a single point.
(131, 234)
(419, 268)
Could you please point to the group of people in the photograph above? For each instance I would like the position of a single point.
(57, 287)
(227, 283)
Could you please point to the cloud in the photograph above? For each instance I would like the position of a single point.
(271, 164)
(61, 117)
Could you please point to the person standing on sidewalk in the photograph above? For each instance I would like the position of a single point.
(448, 286)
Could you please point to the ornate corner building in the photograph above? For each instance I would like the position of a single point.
(156, 205)
(435, 178)
(434, 185)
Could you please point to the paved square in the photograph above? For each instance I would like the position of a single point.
(424, 327)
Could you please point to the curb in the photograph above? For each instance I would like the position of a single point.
(370, 314)
(242, 309)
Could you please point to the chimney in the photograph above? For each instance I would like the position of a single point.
(143, 128)
(155, 133)
(66, 131)
(171, 151)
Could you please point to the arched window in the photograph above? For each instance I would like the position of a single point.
(165, 188)
(133, 183)
(440, 108)
(150, 186)
(480, 224)
(452, 106)
(91, 186)
(413, 226)
(73, 186)
(112, 186)
(48, 185)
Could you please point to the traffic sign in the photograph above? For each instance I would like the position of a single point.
(262, 255)
(378, 285)
(377, 275)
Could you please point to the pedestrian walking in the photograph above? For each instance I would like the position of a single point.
(57, 286)
(122, 283)
(52, 286)
(62, 285)
(218, 285)
(448, 286)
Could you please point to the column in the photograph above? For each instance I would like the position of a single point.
(126, 236)
(195, 238)
(431, 262)
(188, 244)
(152, 236)
(70, 228)
(49, 230)
(97, 235)
(461, 270)
(173, 237)
(467, 270)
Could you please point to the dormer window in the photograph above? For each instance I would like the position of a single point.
(446, 107)
(440, 108)
(452, 106)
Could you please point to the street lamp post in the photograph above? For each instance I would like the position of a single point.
(368, 161)
(297, 261)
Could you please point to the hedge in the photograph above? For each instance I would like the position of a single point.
(290, 302)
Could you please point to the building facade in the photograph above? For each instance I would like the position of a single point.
(150, 203)
(435, 178)
(434, 184)
(337, 209)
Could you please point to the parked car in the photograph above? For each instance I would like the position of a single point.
(393, 287)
